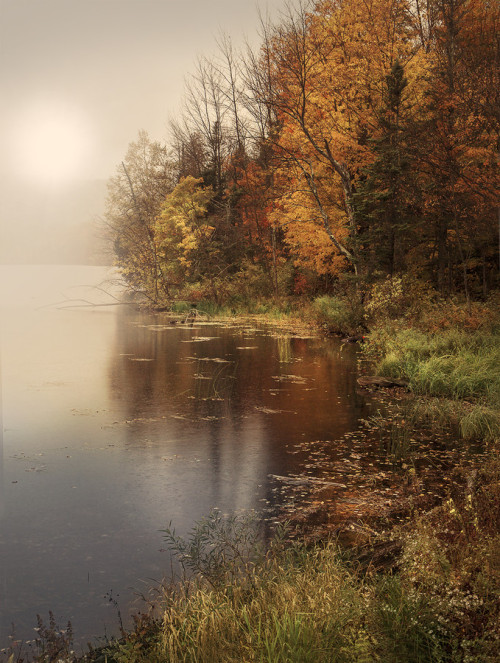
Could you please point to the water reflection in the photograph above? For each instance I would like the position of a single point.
(217, 407)
(117, 422)
(2, 480)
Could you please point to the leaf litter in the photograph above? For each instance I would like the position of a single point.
(354, 487)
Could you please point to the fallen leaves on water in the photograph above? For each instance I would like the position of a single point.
(217, 360)
(289, 378)
(206, 398)
(268, 410)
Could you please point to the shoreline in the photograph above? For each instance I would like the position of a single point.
(370, 523)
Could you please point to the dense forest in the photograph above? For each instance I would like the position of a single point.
(359, 142)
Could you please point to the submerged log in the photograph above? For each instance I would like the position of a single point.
(380, 381)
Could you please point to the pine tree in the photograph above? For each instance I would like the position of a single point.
(382, 201)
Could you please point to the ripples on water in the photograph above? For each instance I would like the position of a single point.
(117, 422)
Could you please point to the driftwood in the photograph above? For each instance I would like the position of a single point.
(380, 381)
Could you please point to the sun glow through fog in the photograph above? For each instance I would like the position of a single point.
(50, 143)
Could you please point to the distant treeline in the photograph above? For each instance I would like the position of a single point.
(359, 142)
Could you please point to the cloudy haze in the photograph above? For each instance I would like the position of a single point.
(78, 79)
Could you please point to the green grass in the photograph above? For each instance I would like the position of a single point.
(274, 310)
(181, 307)
(460, 368)
(302, 607)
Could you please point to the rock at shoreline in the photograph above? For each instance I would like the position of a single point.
(380, 381)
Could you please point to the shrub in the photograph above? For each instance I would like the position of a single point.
(339, 314)
(396, 297)
(409, 628)
(451, 557)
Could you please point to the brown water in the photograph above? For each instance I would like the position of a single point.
(117, 422)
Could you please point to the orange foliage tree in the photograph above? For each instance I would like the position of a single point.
(329, 69)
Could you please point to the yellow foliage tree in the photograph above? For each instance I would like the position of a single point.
(183, 233)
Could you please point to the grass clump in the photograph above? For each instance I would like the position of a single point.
(302, 606)
(245, 604)
(459, 368)
(239, 603)
(408, 628)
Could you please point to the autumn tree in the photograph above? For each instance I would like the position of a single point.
(135, 196)
(184, 236)
(362, 139)
(189, 152)
(229, 66)
(205, 115)
(330, 69)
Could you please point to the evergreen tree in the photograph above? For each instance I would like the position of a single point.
(383, 204)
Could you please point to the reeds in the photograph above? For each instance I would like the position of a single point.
(453, 364)
(301, 607)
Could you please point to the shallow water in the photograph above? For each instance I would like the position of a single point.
(116, 423)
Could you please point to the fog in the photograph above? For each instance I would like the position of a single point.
(79, 80)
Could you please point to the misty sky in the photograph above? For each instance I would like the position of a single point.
(78, 79)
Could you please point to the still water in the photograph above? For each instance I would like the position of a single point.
(116, 422)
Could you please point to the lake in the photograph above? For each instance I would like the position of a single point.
(116, 422)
